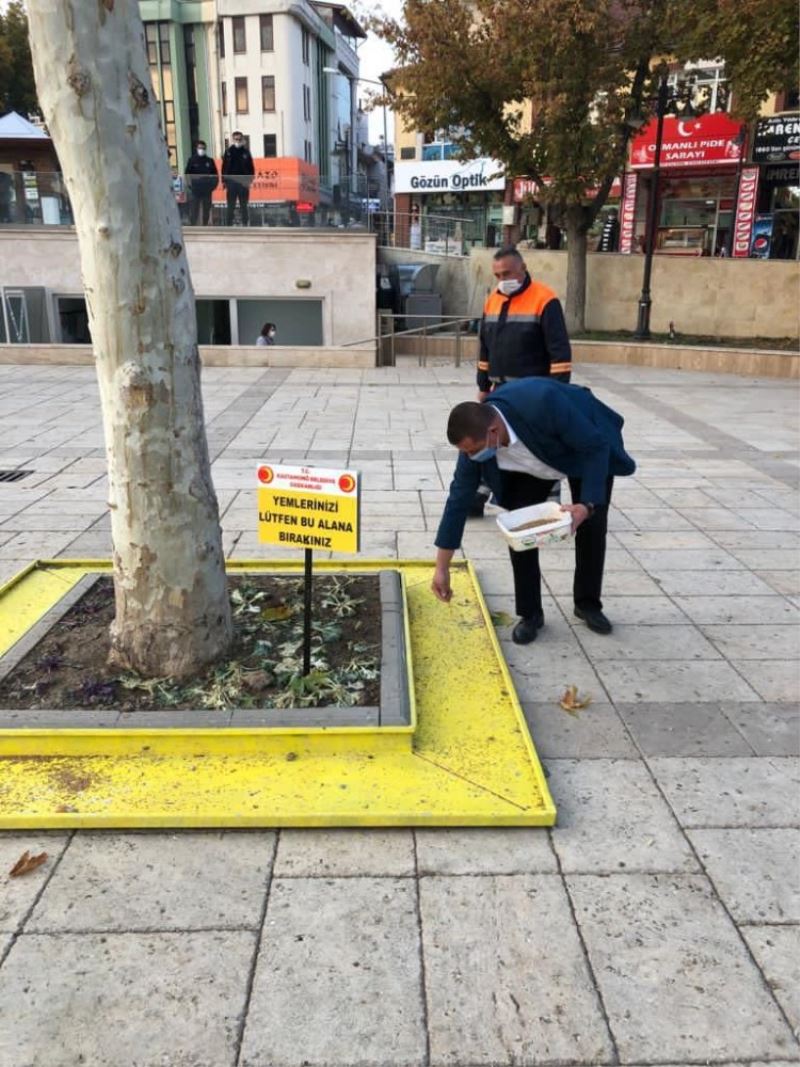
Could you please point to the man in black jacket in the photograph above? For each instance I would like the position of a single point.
(202, 179)
(237, 175)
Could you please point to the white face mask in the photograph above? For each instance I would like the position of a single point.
(509, 286)
(271, 333)
(238, 143)
(201, 151)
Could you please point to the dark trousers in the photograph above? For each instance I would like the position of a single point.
(522, 490)
(242, 194)
(200, 206)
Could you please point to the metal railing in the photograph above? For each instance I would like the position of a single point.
(39, 198)
(446, 235)
(440, 336)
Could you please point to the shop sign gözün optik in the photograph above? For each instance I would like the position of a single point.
(309, 508)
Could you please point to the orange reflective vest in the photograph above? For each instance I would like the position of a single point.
(523, 336)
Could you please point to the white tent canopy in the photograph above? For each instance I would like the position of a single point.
(15, 127)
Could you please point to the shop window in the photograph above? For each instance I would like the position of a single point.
(708, 85)
(268, 92)
(239, 35)
(242, 105)
(267, 35)
(408, 153)
(270, 145)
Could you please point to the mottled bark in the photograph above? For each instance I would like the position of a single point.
(172, 611)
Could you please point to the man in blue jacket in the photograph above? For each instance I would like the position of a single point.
(524, 437)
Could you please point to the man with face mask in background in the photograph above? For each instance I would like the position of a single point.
(237, 174)
(202, 179)
(522, 335)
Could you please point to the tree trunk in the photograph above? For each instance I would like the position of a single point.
(172, 610)
(575, 307)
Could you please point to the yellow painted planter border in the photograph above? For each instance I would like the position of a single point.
(468, 761)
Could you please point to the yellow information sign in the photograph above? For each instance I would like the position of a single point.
(309, 507)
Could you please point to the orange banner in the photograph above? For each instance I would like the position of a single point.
(282, 178)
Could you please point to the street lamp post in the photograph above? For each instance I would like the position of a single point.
(382, 84)
(642, 332)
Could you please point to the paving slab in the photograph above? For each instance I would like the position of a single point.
(677, 983)
(774, 680)
(771, 729)
(338, 972)
(595, 731)
(611, 817)
(648, 642)
(335, 853)
(17, 895)
(777, 952)
(659, 681)
(731, 792)
(506, 977)
(755, 872)
(209, 880)
(478, 851)
(124, 1000)
(672, 729)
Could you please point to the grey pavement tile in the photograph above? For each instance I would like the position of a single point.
(506, 978)
(657, 539)
(777, 952)
(17, 895)
(338, 971)
(657, 518)
(124, 1000)
(777, 680)
(769, 559)
(612, 817)
(677, 983)
(595, 731)
(771, 729)
(672, 729)
(763, 642)
(332, 853)
(641, 641)
(542, 670)
(785, 582)
(755, 872)
(661, 561)
(481, 851)
(635, 610)
(659, 681)
(767, 540)
(741, 610)
(157, 881)
(731, 791)
(768, 518)
(713, 583)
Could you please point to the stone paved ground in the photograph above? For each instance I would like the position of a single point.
(658, 924)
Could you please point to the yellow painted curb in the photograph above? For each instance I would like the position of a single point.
(470, 761)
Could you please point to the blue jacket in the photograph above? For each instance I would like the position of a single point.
(565, 426)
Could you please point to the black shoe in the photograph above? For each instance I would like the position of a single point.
(595, 620)
(526, 629)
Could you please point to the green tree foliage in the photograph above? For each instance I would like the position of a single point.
(17, 87)
(758, 39)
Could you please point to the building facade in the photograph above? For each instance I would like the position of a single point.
(283, 72)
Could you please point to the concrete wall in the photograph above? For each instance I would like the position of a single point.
(709, 297)
(210, 355)
(256, 263)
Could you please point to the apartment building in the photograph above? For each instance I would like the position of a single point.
(284, 72)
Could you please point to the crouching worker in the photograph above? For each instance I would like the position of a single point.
(523, 438)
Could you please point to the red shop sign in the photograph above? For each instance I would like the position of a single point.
(525, 188)
(745, 212)
(714, 138)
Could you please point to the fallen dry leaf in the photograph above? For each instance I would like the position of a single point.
(571, 702)
(277, 614)
(27, 863)
(501, 618)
